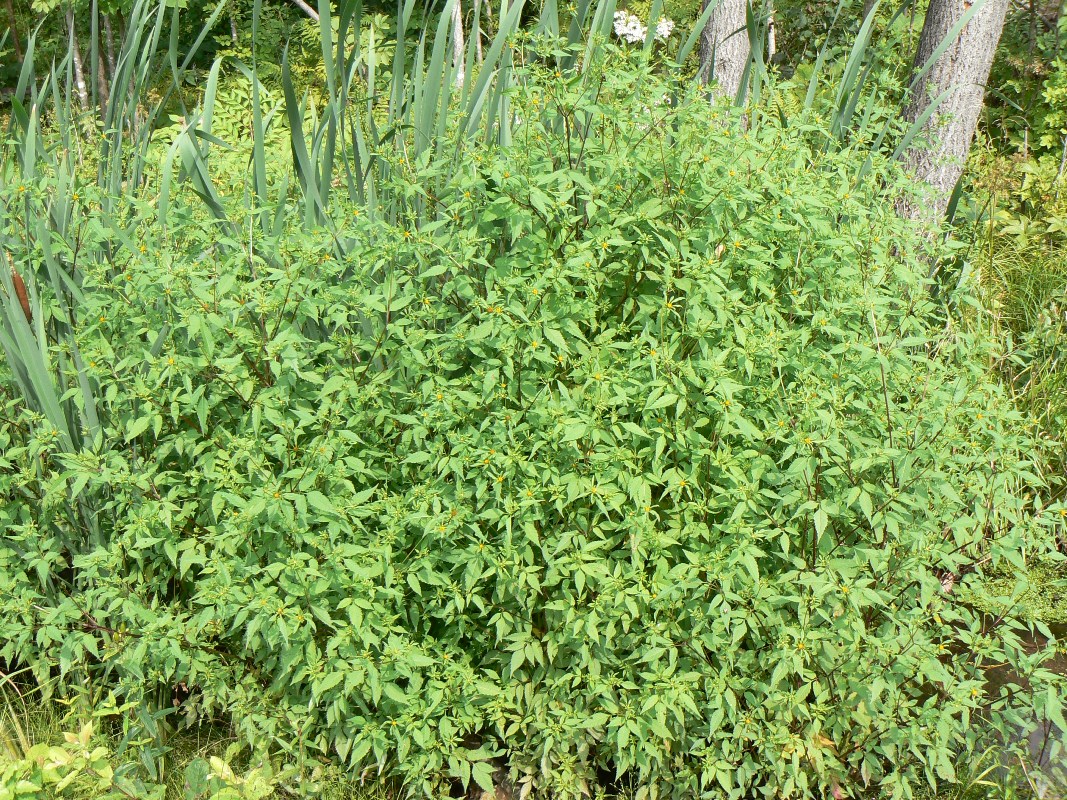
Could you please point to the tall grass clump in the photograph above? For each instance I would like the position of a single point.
(553, 426)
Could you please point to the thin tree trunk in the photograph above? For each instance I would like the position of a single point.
(938, 160)
(477, 33)
(724, 47)
(109, 37)
(458, 47)
(868, 6)
(79, 69)
(772, 42)
(103, 88)
(307, 9)
(14, 31)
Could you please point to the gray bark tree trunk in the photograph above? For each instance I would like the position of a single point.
(307, 9)
(79, 69)
(938, 160)
(458, 46)
(724, 46)
(109, 37)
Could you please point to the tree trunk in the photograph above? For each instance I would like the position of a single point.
(772, 39)
(79, 69)
(109, 37)
(477, 33)
(103, 89)
(458, 47)
(724, 46)
(939, 158)
(868, 6)
(14, 31)
(307, 9)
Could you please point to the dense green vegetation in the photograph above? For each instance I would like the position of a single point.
(560, 428)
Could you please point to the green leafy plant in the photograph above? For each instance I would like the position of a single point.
(632, 444)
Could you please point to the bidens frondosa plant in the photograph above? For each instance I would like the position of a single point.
(641, 451)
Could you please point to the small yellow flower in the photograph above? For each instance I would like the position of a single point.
(499, 478)
(170, 361)
(800, 645)
(143, 249)
(440, 396)
(22, 188)
(534, 345)
(103, 318)
(75, 197)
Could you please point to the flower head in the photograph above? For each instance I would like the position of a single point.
(629, 28)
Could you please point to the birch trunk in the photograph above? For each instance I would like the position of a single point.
(724, 47)
(79, 69)
(945, 139)
(458, 47)
(772, 39)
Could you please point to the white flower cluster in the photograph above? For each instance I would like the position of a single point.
(664, 28)
(630, 28)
